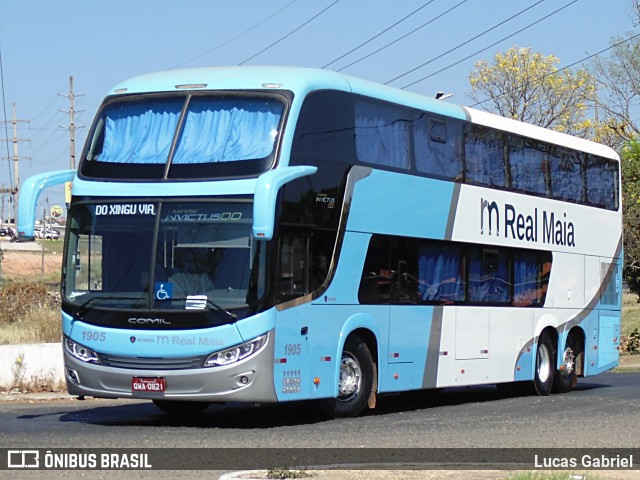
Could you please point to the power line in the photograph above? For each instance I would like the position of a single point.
(464, 43)
(218, 47)
(288, 34)
(561, 69)
(404, 36)
(380, 33)
(490, 46)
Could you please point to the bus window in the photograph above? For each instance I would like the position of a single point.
(293, 273)
(437, 147)
(602, 183)
(566, 176)
(484, 157)
(528, 164)
(440, 273)
(382, 134)
(531, 278)
(489, 276)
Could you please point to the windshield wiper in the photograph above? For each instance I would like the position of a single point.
(208, 304)
(84, 306)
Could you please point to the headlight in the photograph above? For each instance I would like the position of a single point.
(80, 352)
(237, 353)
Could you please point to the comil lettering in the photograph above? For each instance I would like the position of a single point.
(533, 225)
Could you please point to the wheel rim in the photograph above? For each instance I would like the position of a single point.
(350, 377)
(568, 362)
(544, 363)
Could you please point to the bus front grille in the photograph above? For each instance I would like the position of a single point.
(152, 363)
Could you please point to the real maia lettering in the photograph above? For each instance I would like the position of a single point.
(534, 225)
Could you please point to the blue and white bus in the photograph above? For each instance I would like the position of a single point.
(262, 234)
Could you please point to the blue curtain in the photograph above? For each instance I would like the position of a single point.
(437, 148)
(382, 135)
(527, 167)
(484, 158)
(439, 277)
(489, 283)
(601, 183)
(526, 272)
(224, 130)
(139, 132)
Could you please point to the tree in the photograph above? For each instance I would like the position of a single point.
(618, 87)
(529, 87)
(630, 167)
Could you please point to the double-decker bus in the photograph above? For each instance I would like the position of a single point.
(263, 234)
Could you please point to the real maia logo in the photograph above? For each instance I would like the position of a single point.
(533, 226)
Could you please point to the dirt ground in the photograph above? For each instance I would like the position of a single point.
(21, 265)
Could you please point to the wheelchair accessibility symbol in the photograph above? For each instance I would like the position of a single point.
(163, 291)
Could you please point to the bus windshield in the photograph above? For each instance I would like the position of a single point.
(196, 256)
(183, 137)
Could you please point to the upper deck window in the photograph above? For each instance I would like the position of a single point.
(184, 137)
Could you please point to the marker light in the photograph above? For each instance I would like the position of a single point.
(191, 86)
(237, 353)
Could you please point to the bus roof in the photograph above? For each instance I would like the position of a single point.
(303, 80)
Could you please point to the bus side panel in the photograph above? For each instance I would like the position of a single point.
(309, 343)
(423, 204)
(291, 376)
(481, 345)
(567, 282)
(609, 340)
(410, 336)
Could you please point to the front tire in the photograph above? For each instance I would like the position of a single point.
(355, 380)
(545, 366)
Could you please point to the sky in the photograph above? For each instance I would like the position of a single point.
(101, 43)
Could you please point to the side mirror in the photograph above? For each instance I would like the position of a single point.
(266, 194)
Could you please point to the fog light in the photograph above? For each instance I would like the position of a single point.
(73, 376)
(244, 379)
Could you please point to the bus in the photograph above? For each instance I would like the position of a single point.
(271, 234)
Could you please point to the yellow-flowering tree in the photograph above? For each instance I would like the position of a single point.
(528, 86)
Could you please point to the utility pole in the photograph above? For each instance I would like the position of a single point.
(15, 187)
(72, 124)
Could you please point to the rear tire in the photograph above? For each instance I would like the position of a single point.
(355, 381)
(565, 376)
(545, 366)
(180, 408)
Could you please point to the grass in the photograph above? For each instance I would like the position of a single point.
(29, 313)
(630, 314)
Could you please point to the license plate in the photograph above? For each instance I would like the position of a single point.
(141, 384)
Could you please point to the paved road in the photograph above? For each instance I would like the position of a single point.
(603, 412)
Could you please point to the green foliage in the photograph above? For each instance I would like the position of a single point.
(630, 167)
(630, 344)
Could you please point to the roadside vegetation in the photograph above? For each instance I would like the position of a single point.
(29, 312)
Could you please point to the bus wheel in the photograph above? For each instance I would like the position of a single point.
(177, 407)
(545, 366)
(565, 377)
(355, 380)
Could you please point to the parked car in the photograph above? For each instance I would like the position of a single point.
(7, 232)
(47, 233)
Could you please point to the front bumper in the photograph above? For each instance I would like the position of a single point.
(249, 380)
